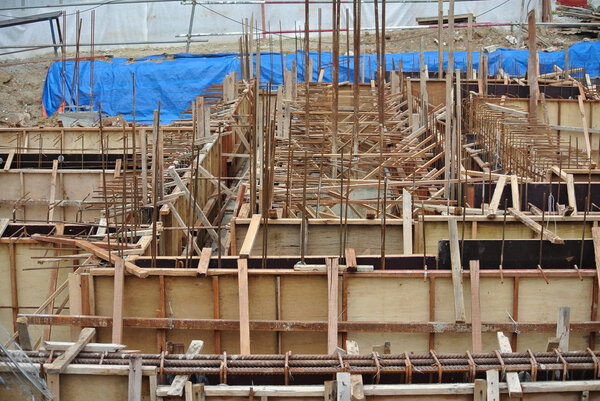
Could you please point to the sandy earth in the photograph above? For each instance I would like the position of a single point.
(22, 80)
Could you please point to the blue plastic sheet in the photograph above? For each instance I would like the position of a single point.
(177, 80)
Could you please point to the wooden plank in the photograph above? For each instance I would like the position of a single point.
(204, 262)
(514, 189)
(24, 337)
(532, 69)
(94, 249)
(562, 328)
(14, 287)
(343, 390)
(75, 301)
(351, 264)
(480, 390)
(596, 240)
(475, 307)
(60, 363)
(178, 383)
(536, 227)
(9, 159)
(512, 378)
(492, 385)
(244, 306)
(332, 309)
(571, 193)
(52, 191)
(497, 195)
(330, 390)
(135, 378)
(357, 391)
(153, 384)
(250, 237)
(459, 301)
(407, 240)
(118, 284)
(584, 124)
(91, 347)
(53, 382)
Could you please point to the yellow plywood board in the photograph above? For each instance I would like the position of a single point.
(190, 297)
(496, 298)
(406, 299)
(304, 343)
(304, 298)
(539, 302)
(94, 388)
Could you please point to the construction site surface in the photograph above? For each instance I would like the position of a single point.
(405, 235)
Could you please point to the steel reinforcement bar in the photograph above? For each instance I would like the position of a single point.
(404, 367)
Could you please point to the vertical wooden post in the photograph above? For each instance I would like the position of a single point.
(244, 306)
(470, 46)
(459, 301)
(480, 390)
(75, 304)
(24, 337)
(53, 381)
(440, 40)
(135, 378)
(532, 75)
(332, 311)
(144, 151)
(475, 307)
(512, 378)
(492, 385)
(343, 386)
(119, 281)
(407, 230)
(562, 328)
(14, 289)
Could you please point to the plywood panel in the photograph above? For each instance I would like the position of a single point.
(444, 300)
(304, 343)
(93, 388)
(303, 298)
(539, 302)
(190, 297)
(323, 239)
(496, 298)
(452, 342)
(406, 299)
(140, 296)
(261, 293)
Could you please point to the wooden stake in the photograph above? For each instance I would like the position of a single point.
(118, 283)
(244, 306)
(332, 296)
(459, 301)
(475, 307)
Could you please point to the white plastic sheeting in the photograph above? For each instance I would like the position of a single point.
(163, 21)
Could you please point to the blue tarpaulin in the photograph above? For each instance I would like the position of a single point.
(176, 80)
